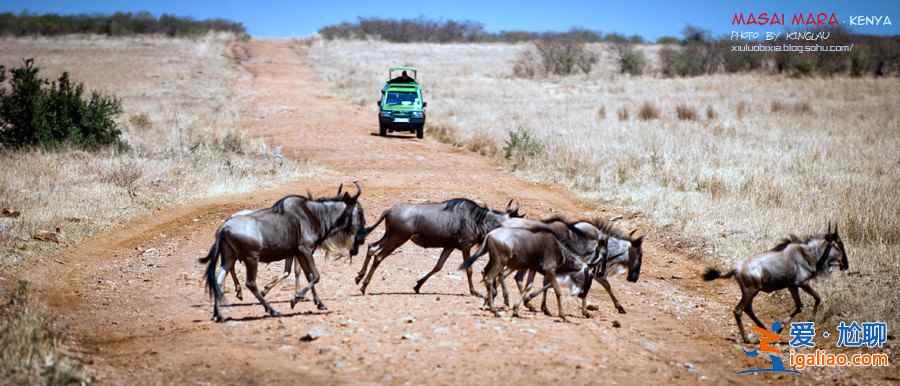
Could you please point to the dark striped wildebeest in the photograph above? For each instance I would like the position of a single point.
(293, 226)
(625, 252)
(535, 248)
(459, 223)
(791, 264)
(582, 237)
(331, 245)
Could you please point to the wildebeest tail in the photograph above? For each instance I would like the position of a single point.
(377, 222)
(713, 274)
(212, 285)
(471, 260)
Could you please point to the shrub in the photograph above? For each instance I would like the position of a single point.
(631, 61)
(521, 144)
(623, 114)
(482, 144)
(37, 112)
(710, 113)
(526, 65)
(685, 112)
(140, 121)
(117, 24)
(601, 113)
(648, 111)
(565, 57)
(740, 110)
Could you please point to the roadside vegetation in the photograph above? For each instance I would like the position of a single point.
(96, 130)
(724, 164)
(116, 24)
(696, 53)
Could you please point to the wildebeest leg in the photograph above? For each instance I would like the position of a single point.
(519, 277)
(798, 304)
(284, 275)
(552, 278)
(387, 246)
(527, 296)
(747, 296)
(584, 310)
(312, 275)
(752, 315)
(437, 268)
(465, 255)
(237, 285)
(251, 265)
(370, 251)
(491, 273)
(603, 282)
(815, 295)
(228, 266)
(544, 308)
(504, 288)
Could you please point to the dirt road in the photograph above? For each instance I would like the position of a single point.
(134, 301)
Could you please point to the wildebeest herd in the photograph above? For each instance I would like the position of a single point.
(568, 253)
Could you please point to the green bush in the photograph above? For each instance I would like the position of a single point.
(50, 114)
(522, 144)
(116, 24)
(631, 61)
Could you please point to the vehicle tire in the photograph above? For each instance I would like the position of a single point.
(382, 131)
(420, 131)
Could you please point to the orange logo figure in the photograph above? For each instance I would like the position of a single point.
(767, 337)
(777, 364)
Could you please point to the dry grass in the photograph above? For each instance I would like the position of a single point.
(735, 182)
(180, 118)
(31, 343)
(686, 113)
(648, 111)
(711, 113)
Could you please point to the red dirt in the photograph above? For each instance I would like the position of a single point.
(134, 302)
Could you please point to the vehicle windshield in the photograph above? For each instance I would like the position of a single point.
(405, 98)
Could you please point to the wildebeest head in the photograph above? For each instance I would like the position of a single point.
(635, 257)
(355, 229)
(513, 210)
(834, 256)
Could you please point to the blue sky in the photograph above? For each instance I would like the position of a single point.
(651, 19)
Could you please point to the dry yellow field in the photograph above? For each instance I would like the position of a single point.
(751, 159)
(181, 118)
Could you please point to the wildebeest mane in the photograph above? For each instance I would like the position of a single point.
(794, 239)
(278, 206)
(610, 229)
(570, 224)
(478, 212)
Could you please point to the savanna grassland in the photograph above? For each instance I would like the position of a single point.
(729, 163)
(180, 124)
(180, 121)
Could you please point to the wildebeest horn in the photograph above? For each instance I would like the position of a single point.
(340, 188)
(633, 231)
(508, 204)
(358, 190)
(309, 194)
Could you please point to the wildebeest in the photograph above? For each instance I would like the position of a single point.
(791, 264)
(534, 248)
(458, 223)
(582, 237)
(293, 226)
(624, 252)
(330, 245)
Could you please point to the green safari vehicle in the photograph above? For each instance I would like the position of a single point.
(402, 106)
